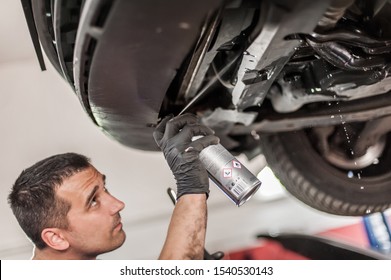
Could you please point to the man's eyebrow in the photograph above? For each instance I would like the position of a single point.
(95, 189)
(91, 195)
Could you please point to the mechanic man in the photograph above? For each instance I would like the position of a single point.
(65, 209)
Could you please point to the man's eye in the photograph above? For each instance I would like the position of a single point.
(93, 203)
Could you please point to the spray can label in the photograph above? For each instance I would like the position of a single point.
(229, 174)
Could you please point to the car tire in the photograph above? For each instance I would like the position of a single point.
(317, 183)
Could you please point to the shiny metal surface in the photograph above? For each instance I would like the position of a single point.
(230, 175)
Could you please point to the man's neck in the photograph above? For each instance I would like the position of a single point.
(50, 254)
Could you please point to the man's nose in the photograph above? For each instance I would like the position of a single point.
(115, 205)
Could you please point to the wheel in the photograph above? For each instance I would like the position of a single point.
(325, 183)
(56, 23)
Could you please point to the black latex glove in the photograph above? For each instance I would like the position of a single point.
(173, 136)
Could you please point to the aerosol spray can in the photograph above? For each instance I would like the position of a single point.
(230, 175)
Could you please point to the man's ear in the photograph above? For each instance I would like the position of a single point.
(54, 238)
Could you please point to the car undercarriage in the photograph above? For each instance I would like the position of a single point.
(306, 83)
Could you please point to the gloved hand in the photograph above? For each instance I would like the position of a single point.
(174, 137)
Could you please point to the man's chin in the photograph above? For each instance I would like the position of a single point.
(122, 238)
(118, 241)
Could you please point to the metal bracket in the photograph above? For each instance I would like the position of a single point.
(28, 13)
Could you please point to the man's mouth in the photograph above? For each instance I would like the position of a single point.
(118, 227)
(118, 224)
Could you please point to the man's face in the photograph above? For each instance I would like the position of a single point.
(94, 221)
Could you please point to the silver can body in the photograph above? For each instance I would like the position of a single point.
(229, 174)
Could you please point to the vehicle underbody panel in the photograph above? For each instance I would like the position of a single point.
(128, 60)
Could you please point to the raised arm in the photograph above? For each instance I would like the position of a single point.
(186, 232)
(187, 229)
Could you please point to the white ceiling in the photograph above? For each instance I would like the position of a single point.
(15, 40)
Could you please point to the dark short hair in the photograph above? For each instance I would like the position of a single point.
(32, 197)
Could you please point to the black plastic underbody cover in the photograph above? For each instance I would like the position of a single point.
(127, 59)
